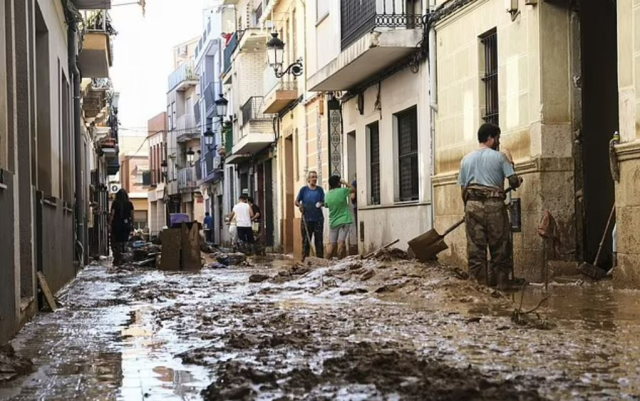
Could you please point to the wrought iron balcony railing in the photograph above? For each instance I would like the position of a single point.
(360, 17)
(252, 110)
(229, 49)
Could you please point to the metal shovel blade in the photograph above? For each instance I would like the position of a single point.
(427, 245)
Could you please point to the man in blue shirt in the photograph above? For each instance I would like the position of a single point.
(208, 228)
(310, 200)
(482, 176)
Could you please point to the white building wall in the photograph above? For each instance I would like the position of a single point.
(391, 219)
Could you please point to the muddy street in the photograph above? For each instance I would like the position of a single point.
(275, 329)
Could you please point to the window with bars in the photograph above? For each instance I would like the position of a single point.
(490, 78)
(374, 163)
(407, 124)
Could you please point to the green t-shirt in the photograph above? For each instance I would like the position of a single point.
(337, 200)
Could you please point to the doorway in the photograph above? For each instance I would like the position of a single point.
(600, 119)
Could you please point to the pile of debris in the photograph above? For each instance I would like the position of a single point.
(223, 260)
(12, 365)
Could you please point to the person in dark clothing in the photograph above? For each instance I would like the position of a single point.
(310, 200)
(257, 217)
(208, 228)
(120, 224)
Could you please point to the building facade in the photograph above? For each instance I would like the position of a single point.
(183, 140)
(367, 60)
(627, 192)
(210, 168)
(46, 153)
(250, 159)
(157, 128)
(534, 70)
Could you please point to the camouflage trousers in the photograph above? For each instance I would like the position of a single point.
(488, 227)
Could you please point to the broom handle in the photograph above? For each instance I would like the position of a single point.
(604, 235)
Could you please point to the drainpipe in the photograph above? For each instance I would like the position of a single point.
(77, 130)
(433, 106)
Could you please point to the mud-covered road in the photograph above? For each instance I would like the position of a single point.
(275, 329)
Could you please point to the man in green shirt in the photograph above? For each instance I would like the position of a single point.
(337, 201)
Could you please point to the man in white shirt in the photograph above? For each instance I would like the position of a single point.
(243, 215)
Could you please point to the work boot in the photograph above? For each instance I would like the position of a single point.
(506, 284)
(479, 275)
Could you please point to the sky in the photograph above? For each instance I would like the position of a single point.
(143, 55)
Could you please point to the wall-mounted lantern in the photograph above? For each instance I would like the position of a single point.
(275, 53)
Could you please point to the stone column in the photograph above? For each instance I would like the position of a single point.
(627, 275)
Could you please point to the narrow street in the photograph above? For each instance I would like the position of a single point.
(274, 329)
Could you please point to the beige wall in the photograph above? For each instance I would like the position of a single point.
(627, 190)
(534, 92)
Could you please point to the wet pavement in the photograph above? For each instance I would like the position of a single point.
(355, 330)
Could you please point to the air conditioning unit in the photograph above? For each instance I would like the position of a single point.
(113, 188)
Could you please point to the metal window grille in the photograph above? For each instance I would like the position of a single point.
(408, 154)
(490, 78)
(374, 162)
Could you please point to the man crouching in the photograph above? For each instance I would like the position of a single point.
(482, 175)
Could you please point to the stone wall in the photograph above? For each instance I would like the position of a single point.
(627, 275)
(535, 117)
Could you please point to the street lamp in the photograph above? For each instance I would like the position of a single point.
(190, 154)
(275, 53)
(208, 138)
(221, 106)
(164, 166)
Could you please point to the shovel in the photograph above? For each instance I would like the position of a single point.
(431, 243)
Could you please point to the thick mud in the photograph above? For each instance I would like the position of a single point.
(276, 329)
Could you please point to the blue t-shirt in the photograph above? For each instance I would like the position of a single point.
(208, 223)
(309, 198)
(486, 167)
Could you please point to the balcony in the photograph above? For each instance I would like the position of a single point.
(183, 78)
(256, 132)
(187, 181)
(92, 4)
(212, 167)
(375, 35)
(186, 128)
(253, 40)
(228, 52)
(96, 56)
(279, 93)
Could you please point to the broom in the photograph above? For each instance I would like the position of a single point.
(592, 270)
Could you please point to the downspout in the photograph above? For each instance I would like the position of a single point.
(433, 106)
(77, 128)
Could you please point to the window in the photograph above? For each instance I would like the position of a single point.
(407, 123)
(374, 163)
(173, 115)
(490, 78)
(322, 9)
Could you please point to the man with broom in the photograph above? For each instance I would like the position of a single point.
(310, 200)
(482, 176)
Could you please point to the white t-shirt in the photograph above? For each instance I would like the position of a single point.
(243, 214)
